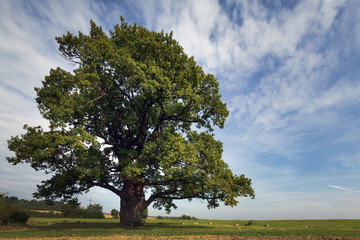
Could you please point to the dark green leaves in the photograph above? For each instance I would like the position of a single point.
(129, 110)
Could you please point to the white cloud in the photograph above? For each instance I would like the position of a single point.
(297, 96)
(207, 32)
(339, 188)
(28, 50)
(280, 72)
(352, 192)
(351, 161)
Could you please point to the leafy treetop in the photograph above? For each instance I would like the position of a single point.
(137, 114)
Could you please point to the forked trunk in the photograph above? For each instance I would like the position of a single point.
(132, 204)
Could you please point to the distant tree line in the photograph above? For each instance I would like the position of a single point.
(71, 209)
(34, 204)
(183, 217)
(11, 213)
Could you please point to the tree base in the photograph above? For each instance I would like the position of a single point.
(132, 224)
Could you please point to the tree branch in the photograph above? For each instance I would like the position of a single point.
(108, 187)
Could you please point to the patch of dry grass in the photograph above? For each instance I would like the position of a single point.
(206, 237)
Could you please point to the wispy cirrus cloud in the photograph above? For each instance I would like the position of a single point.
(339, 188)
(287, 69)
(281, 72)
(28, 44)
(28, 51)
(276, 67)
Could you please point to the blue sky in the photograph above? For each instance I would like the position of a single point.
(288, 70)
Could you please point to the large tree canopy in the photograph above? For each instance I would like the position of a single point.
(136, 115)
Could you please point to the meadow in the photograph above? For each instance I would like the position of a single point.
(153, 228)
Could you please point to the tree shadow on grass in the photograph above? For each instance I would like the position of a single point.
(98, 226)
(91, 229)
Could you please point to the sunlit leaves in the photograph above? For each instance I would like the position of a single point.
(128, 112)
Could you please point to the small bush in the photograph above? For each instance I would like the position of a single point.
(94, 211)
(115, 213)
(10, 213)
(145, 214)
(19, 217)
(183, 217)
(249, 223)
(72, 209)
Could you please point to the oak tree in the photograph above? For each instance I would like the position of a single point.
(135, 116)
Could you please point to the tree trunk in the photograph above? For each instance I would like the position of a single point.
(132, 203)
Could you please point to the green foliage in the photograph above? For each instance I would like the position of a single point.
(72, 209)
(249, 223)
(145, 214)
(183, 217)
(10, 213)
(34, 204)
(114, 213)
(94, 211)
(135, 110)
(186, 217)
(19, 217)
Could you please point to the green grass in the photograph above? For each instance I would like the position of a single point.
(58, 227)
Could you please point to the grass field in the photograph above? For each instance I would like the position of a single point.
(61, 227)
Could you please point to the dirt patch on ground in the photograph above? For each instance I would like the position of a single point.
(119, 237)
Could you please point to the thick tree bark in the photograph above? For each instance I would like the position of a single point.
(132, 203)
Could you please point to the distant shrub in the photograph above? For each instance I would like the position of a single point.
(94, 211)
(72, 209)
(145, 214)
(249, 223)
(183, 217)
(10, 213)
(34, 204)
(19, 217)
(115, 213)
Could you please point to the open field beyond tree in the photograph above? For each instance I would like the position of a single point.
(65, 228)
